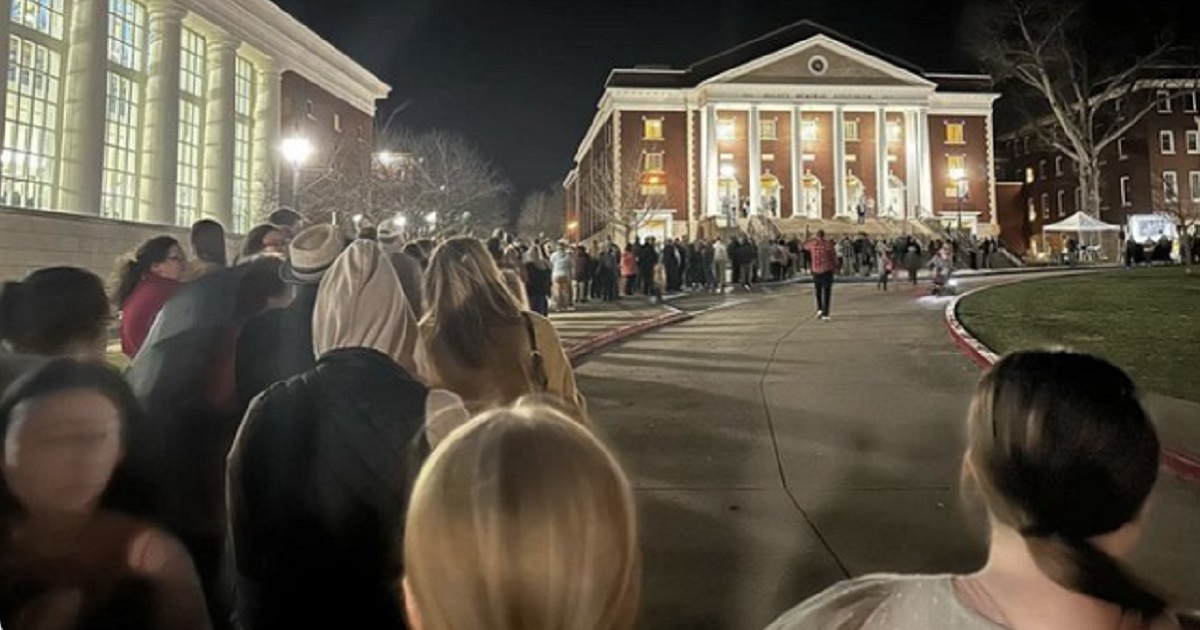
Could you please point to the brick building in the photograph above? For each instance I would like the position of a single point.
(126, 118)
(1154, 168)
(804, 126)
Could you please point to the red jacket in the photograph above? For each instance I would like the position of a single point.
(824, 257)
(140, 309)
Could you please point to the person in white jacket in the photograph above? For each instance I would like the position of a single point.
(720, 263)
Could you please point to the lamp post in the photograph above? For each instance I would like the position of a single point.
(297, 151)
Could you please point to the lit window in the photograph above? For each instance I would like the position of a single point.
(127, 34)
(1126, 199)
(652, 129)
(29, 160)
(1164, 102)
(952, 191)
(190, 167)
(895, 132)
(768, 129)
(808, 130)
(1170, 187)
(243, 159)
(768, 157)
(1032, 210)
(1166, 141)
(955, 164)
(1194, 183)
(1058, 162)
(1121, 153)
(1029, 176)
(850, 129)
(123, 109)
(955, 134)
(1193, 141)
(726, 129)
(1062, 203)
(43, 16)
(337, 123)
(653, 162)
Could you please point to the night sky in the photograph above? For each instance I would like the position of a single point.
(521, 78)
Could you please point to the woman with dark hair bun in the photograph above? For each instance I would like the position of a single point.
(1063, 455)
(264, 240)
(144, 282)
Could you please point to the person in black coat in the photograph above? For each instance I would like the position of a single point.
(320, 472)
(673, 266)
(647, 259)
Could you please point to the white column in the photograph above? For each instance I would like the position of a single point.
(160, 140)
(991, 170)
(84, 110)
(754, 139)
(618, 188)
(926, 162)
(797, 162)
(712, 166)
(267, 122)
(691, 172)
(881, 163)
(912, 158)
(839, 163)
(217, 199)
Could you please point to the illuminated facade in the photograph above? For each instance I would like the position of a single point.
(803, 126)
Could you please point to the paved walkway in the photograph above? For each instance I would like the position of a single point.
(774, 454)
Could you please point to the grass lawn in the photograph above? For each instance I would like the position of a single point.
(1147, 321)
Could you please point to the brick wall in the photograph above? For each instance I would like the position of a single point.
(31, 239)
(341, 135)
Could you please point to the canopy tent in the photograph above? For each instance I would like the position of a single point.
(1097, 239)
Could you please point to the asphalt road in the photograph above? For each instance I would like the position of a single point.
(775, 454)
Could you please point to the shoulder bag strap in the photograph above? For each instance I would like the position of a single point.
(540, 382)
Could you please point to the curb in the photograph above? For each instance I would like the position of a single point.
(580, 351)
(1182, 464)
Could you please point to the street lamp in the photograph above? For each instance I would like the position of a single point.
(959, 176)
(296, 151)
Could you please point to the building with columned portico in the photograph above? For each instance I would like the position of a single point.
(803, 126)
(129, 118)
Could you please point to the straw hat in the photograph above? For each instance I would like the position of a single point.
(311, 253)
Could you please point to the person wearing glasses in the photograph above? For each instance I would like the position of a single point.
(144, 283)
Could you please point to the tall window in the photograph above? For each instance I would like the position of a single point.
(29, 159)
(1121, 153)
(1058, 162)
(653, 162)
(1126, 199)
(895, 132)
(1045, 205)
(1190, 103)
(808, 130)
(1062, 203)
(1194, 184)
(1193, 141)
(955, 134)
(243, 99)
(1170, 187)
(1164, 101)
(191, 128)
(726, 129)
(123, 108)
(1042, 169)
(1166, 141)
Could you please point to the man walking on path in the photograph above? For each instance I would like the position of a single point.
(824, 263)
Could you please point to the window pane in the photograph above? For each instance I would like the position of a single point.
(29, 159)
(120, 193)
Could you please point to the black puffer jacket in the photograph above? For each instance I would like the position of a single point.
(318, 485)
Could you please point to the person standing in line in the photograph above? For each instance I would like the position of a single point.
(539, 284)
(144, 283)
(628, 268)
(208, 245)
(912, 263)
(560, 266)
(886, 265)
(720, 261)
(824, 263)
(646, 261)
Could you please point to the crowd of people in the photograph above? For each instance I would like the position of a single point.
(343, 429)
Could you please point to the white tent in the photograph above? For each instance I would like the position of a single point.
(1091, 233)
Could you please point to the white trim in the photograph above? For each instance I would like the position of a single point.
(1175, 180)
(797, 162)
(616, 151)
(1166, 133)
(991, 168)
(1194, 185)
(691, 173)
(836, 47)
(294, 47)
(870, 95)
(1189, 136)
(754, 139)
(1123, 188)
(839, 165)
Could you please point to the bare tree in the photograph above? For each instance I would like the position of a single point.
(625, 198)
(1039, 45)
(431, 183)
(1168, 200)
(543, 214)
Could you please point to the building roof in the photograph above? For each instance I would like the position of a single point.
(773, 42)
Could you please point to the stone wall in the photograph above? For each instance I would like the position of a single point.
(33, 239)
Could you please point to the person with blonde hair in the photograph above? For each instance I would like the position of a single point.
(522, 520)
(1063, 456)
(318, 476)
(479, 340)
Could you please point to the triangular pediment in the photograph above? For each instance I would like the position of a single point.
(821, 60)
